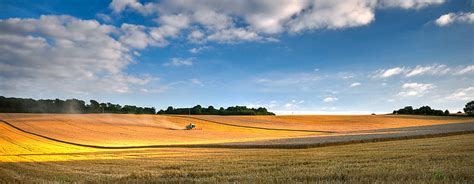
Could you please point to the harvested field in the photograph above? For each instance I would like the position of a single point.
(107, 130)
(444, 159)
(335, 123)
(136, 130)
(25, 157)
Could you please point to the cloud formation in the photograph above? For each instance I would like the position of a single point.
(419, 70)
(355, 84)
(64, 54)
(451, 18)
(415, 89)
(330, 99)
(259, 20)
(462, 94)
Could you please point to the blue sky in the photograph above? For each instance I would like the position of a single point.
(302, 57)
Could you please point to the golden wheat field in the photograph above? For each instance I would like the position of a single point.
(139, 130)
(28, 157)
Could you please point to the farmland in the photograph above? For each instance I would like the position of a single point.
(27, 157)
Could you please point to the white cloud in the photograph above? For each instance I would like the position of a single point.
(64, 55)
(415, 89)
(135, 36)
(333, 15)
(391, 72)
(289, 105)
(451, 18)
(462, 94)
(118, 6)
(252, 20)
(234, 35)
(195, 50)
(466, 70)
(355, 84)
(330, 99)
(409, 4)
(433, 70)
(196, 36)
(180, 62)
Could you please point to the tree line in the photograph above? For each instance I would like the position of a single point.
(199, 110)
(427, 110)
(75, 106)
(424, 110)
(71, 106)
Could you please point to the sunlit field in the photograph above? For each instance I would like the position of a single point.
(140, 130)
(28, 157)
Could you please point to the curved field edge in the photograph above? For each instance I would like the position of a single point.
(255, 127)
(257, 144)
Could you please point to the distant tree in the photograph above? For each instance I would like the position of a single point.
(221, 111)
(94, 107)
(22, 105)
(424, 110)
(469, 108)
(212, 110)
(236, 110)
(446, 112)
(196, 109)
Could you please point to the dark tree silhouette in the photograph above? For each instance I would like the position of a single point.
(424, 110)
(199, 110)
(446, 112)
(21, 105)
(469, 108)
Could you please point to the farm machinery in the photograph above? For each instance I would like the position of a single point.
(190, 126)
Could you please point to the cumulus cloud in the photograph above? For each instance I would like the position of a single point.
(330, 99)
(257, 20)
(451, 18)
(65, 54)
(135, 36)
(415, 89)
(118, 6)
(462, 94)
(355, 84)
(180, 62)
(333, 15)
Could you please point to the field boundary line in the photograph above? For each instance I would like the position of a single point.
(253, 127)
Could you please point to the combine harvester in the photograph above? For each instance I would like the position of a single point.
(192, 126)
